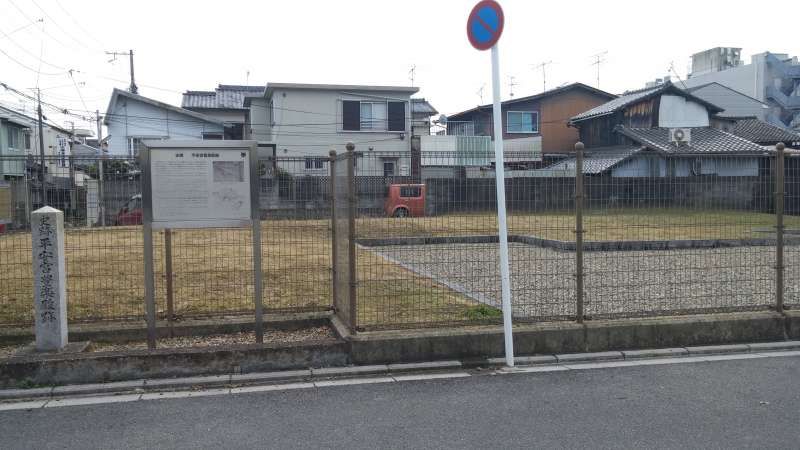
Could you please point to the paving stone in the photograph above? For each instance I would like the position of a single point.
(185, 394)
(22, 405)
(525, 360)
(353, 381)
(655, 353)
(270, 376)
(92, 400)
(271, 387)
(431, 365)
(25, 393)
(97, 388)
(712, 349)
(345, 371)
(186, 382)
(431, 376)
(767, 346)
(591, 357)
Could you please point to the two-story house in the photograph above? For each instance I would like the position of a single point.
(225, 104)
(532, 125)
(132, 118)
(19, 136)
(308, 120)
(661, 131)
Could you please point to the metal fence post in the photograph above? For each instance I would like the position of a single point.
(332, 186)
(579, 232)
(351, 233)
(100, 176)
(779, 228)
(168, 274)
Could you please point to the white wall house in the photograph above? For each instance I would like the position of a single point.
(308, 120)
(131, 118)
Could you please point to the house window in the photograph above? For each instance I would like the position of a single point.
(388, 168)
(13, 138)
(373, 115)
(27, 141)
(314, 163)
(134, 146)
(522, 122)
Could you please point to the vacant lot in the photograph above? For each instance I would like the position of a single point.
(212, 268)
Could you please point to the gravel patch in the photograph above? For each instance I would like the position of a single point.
(270, 337)
(617, 283)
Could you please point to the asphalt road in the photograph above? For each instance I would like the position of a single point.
(722, 404)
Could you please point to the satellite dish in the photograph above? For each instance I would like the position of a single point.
(442, 119)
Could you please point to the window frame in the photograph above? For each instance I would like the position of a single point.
(534, 122)
(385, 126)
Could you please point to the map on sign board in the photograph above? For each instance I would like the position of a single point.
(200, 184)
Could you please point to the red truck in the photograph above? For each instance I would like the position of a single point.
(405, 200)
(131, 213)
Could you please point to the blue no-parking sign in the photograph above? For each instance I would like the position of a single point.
(485, 24)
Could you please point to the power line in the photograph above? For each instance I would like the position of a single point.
(21, 64)
(85, 31)
(77, 89)
(7, 36)
(63, 30)
(40, 20)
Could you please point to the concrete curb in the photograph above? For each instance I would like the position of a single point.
(231, 381)
(627, 355)
(370, 373)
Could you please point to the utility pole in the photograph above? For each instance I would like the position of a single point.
(598, 59)
(133, 88)
(41, 146)
(544, 74)
(511, 85)
(100, 164)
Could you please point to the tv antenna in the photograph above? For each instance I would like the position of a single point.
(480, 93)
(599, 58)
(511, 85)
(412, 73)
(543, 66)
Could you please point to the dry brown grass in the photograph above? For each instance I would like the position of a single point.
(212, 267)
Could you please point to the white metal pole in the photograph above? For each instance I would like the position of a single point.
(505, 277)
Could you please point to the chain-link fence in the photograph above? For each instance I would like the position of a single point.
(393, 240)
(680, 236)
(197, 272)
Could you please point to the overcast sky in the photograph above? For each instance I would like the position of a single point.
(182, 45)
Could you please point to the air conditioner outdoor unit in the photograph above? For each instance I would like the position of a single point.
(680, 136)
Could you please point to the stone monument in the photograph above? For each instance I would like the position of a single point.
(49, 282)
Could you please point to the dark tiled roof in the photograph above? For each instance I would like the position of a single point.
(703, 140)
(631, 97)
(763, 133)
(544, 94)
(600, 159)
(617, 103)
(421, 107)
(226, 96)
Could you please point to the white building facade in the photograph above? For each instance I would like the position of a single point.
(132, 118)
(309, 120)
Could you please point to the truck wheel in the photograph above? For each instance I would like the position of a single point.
(401, 212)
